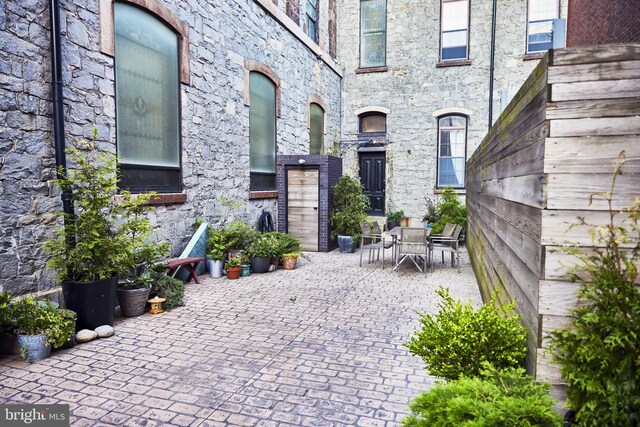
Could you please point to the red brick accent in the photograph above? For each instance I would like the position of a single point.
(595, 22)
(293, 10)
(333, 9)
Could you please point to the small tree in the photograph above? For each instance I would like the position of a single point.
(349, 206)
(450, 211)
(458, 340)
(600, 353)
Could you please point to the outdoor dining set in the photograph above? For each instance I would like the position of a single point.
(414, 243)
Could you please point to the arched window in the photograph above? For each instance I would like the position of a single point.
(262, 132)
(316, 128)
(373, 123)
(452, 149)
(147, 101)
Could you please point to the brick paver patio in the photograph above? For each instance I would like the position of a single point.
(317, 346)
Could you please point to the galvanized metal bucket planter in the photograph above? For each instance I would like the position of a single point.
(34, 347)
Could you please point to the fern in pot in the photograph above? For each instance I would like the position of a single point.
(94, 247)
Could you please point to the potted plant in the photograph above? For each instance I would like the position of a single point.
(260, 252)
(169, 288)
(349, 206)
(132, 296)
(39, 325)
(217, 245)
(94, 246)
(394, 218)
(8, 342)
(290, 259)
(233, 268)
(239, 236)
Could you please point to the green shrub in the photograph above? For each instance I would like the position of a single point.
(395, 216)
(41, 317)
(497, 398)
(600, 353)
(264, 246)
(170, 288)
(349, 206)
(286, 242)
(458, 339)
(450, 211)
(239, 235)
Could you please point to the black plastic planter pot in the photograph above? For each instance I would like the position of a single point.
(259, 264)
(92, 301)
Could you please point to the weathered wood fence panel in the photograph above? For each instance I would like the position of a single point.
(530, 180)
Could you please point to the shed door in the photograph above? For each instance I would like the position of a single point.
(302, 206)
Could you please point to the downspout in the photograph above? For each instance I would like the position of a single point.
(492, 63)
(58, 110)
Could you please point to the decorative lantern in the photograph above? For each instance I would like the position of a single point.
(156, 304)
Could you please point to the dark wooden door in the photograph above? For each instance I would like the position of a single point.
(372, 166)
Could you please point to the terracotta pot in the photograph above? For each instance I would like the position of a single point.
(290, 263)
(233, 273)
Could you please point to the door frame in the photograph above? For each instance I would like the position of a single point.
(286, 199)
(377, 152)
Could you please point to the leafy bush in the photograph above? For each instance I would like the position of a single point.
(600, 353)
(41, 317)
(505, 398)
(264, 246)
(5, 301)
(349, 205)
(286, 242)
(217, 244)
(395, 216)
(170, 288)
(239, 235)
(458, 339)
(450, 211)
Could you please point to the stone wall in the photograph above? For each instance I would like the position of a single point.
(414, 87)
(215, 119)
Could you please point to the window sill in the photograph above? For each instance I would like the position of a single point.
(460, 63)
(459, 191)
(263, 195)
(159, 199)
(371, 70)
(532, 56)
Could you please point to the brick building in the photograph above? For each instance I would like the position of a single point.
(594, 22)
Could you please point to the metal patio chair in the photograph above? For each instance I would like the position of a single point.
(449, 244)
(373, 241)
(413, 245)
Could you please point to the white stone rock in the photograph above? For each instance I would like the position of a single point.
(86, 335)
(105, 331)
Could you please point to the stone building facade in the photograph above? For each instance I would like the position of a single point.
(222, 43)
(417, 84)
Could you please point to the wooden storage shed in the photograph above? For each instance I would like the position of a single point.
(304, 198)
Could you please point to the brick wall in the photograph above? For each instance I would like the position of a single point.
(594, 22)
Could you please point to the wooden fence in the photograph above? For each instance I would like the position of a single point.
(530, 180)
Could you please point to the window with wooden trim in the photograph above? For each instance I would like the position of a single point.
(373, 33)
(316, 128)
(311, 19)
(541, 15)
(262, 132)
(147, 89)
(454, 34)
(452, 150)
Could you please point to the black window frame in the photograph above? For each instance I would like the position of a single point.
(308, 19)
(264, 181)
(141, 178)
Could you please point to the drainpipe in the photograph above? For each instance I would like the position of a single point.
(58, 110)
(492, 63)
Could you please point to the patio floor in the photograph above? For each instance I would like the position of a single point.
(317, 346)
